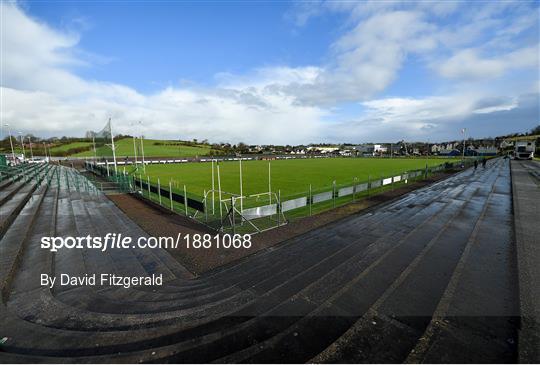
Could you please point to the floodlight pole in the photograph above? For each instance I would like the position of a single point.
(142, 150)
(22, 144)
(427, 151)
(113, 147)
(134, 148)
(31, 152)
(463, 158)
(95, 152)
(11, 143)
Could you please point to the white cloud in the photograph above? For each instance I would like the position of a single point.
(266, 76)
(468, 64)
(414, 113)
(34, 56)
(438, 118)
(171, 113)
(367, 59)
(41, 95)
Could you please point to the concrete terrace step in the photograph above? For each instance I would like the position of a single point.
(328, 293)
(400, 316)
(22, 213)
(481, 320)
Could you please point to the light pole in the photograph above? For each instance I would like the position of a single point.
(463, 131)
(427, 151)
(142, 149)
(31, 152)
(11, 143)
(22, 144)
(134, 146)
(94, 144)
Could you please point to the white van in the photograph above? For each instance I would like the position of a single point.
(524, 150)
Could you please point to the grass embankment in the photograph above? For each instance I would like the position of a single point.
(152, 148)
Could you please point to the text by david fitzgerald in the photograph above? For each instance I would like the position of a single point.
(101, 280)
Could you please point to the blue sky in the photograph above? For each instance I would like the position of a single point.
(188, 41)
(272, 72)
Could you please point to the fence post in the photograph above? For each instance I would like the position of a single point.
(148, 185)
(354, 188)
(170, 195)
(368, 184)
(232, 215)
(185, 200)
(204, 207)
(159, 190)
(310, 201)
(334, 193)
(278, 205)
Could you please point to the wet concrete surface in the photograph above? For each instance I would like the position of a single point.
(157, 220)
(526, 189)
(430, 277)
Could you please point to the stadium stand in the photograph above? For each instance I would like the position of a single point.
(426, 278)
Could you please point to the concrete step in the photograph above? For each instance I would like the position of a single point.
(398, 319)
(21, 212)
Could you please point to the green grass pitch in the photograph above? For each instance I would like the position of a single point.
(291, 177)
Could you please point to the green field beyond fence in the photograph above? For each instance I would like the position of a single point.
(152, 148)
(289, 176)
(298, 187)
